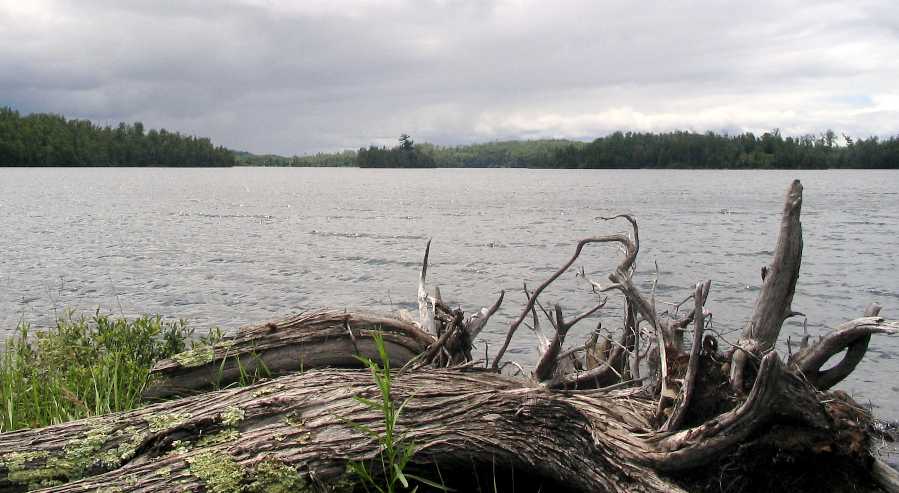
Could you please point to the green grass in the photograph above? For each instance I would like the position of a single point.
(85, 366)
(394, 454)
(89, 366)
(395, 450)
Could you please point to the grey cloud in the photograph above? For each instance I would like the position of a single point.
(296, 77)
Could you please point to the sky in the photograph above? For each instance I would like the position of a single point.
(304, 76)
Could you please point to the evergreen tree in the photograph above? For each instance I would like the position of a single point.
(41, 139)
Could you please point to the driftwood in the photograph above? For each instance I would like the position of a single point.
(585, 420)
(316, 339)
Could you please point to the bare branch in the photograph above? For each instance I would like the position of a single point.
(682, 403)
(591, 342)
(587, 313)
(425, 311)
(542, 340)
(773, 389)
(627, 263)
(634, 356)
(515, 364)
(549, 317)
(631, 247)
(475, 323)
(547, 364)
(549, 361)
(608, 371)
(886, 476)
(852, 337)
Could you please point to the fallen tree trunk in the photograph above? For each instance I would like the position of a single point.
(583, 421)
(315, 339)
(301, 423)
(298, 426)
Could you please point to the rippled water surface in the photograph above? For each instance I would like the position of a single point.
(230, 246)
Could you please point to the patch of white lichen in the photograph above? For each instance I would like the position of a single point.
(269, 389)
(218, 472)
(180, 447)
(200, 354)
(129, 439)
(232, 416)
(273, 476)
(79, 455)
(166, 421)
(224, 436)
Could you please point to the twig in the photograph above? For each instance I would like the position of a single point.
(533, 298)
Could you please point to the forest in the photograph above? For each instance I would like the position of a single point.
(322, 159)
(771, 150)
(507, 154)
(41, 139)
(680, 149)
(405, 155)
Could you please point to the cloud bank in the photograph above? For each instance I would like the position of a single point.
(299, 77)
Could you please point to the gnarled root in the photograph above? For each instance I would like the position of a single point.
(852, 337)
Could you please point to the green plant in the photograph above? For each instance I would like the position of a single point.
(394, 453)
(82, 367)
(260, 370)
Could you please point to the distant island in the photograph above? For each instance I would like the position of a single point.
(41, 139)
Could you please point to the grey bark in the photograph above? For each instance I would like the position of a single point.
(589, 440)
(774, 304)
(312, 339)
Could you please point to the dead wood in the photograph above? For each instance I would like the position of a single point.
(682, 403)
(852, 337)
(313, 339)
(585, 440)
(774, 304)
(300, 423)
(584, 420)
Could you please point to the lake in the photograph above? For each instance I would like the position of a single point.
(226, 247)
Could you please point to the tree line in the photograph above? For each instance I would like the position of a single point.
(503, 154)
(322, 159)
(41, 139)
(681, 149)
(405, 155)
(771, 150)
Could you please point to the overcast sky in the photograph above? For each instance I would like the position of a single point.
(300, 76)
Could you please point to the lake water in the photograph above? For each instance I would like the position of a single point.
(225, 247)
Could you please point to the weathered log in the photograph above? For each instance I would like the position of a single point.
(299, 426)
(699, 424)
(313, 339)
